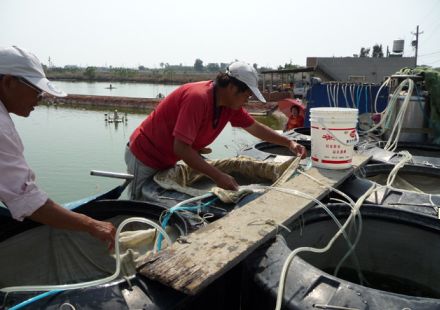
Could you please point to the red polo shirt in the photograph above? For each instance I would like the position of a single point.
(185, 114)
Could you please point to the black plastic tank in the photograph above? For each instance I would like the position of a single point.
(135, 292)
(305, 131)
(417, 190)
(417, 149)
(398, 255)
(269, 151)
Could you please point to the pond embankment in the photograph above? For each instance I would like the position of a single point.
(106, 101)
(253, 107)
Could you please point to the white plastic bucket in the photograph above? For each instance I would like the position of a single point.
(333, 133)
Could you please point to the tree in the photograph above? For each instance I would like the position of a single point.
(198, 65)
(377, 51)
(255, 65)
(364, 52)
(213, 67)
(290, 65)
(90, 73)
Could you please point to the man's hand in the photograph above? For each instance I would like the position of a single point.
(193, 159)
(54, 215)
(226, 181)
(297, 149)
(104, 231)
(205, 150)
(265, 133)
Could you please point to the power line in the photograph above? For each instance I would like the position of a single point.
(433, 32)
(431, 11)
(433, 62)
(429, 54)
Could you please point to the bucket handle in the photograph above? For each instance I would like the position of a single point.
(320, 121)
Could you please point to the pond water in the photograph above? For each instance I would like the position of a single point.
(137, 90)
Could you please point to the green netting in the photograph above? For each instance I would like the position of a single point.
(432, 82)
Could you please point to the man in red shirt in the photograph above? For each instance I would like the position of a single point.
(189, 119)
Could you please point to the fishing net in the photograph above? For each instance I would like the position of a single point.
(245, 170)
(49, 256)
(432, 84)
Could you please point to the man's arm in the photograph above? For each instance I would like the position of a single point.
(265, 133)
(193, 159)
(56, 216)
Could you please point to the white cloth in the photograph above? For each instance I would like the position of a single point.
(18, 190)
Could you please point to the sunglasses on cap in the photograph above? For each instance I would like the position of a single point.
(39, 91)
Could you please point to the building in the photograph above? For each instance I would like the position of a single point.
(358, 69)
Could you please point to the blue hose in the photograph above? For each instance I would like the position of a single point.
(358, 97)
(366, 99)
(175, 209)
(34, 299)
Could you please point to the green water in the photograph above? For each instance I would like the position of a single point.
(63, 144)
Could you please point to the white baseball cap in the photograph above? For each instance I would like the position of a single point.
(247, 74)
(20, 63)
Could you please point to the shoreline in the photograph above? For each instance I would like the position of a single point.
(151, 78)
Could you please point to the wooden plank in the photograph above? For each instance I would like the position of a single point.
(216, 248)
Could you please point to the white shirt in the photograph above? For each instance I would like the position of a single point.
(18, 190)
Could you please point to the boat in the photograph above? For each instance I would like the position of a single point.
(76, 258)
(127, 292)
(63, 258)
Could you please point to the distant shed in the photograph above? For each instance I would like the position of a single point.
(358, 69)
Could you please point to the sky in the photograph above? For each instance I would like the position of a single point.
(131, 33)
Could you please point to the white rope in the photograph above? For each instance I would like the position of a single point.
(344, 92)
(387, 81)
(352, 87)
(354, 212)
(387, 115)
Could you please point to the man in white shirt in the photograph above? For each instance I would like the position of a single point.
(22, 84)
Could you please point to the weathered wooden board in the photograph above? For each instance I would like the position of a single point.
(216, 248)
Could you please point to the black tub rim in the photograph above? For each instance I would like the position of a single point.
(258, 152)
(377, 168)
(99, 210)
(269, 259)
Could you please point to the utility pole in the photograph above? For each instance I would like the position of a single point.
(415, 43)
(50, 64)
